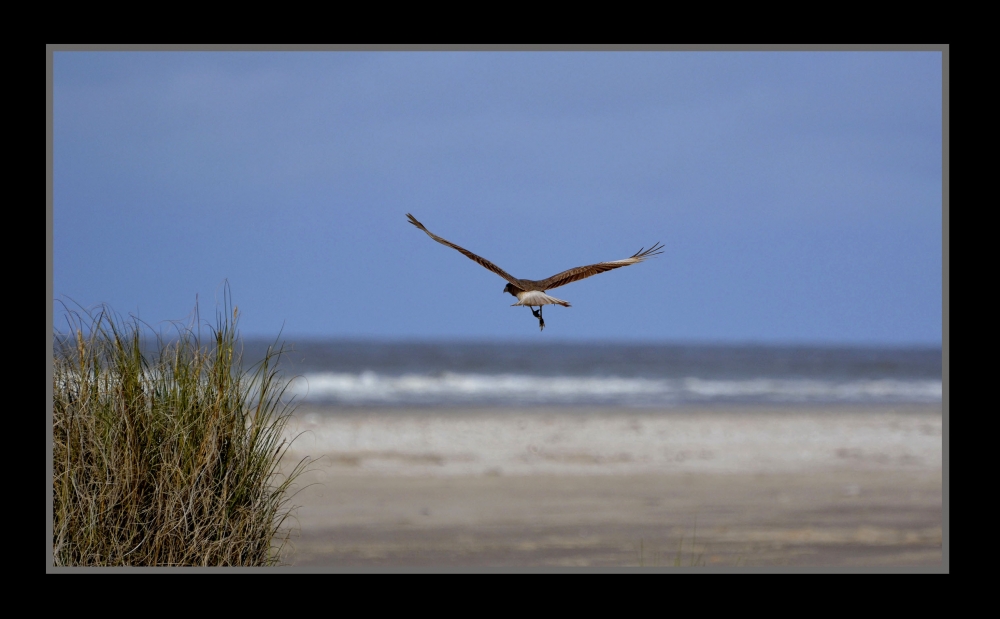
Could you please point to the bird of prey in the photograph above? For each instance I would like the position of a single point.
(531, 293)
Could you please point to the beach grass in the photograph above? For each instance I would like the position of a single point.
(648, 555)
(166, 451)
(694, 559)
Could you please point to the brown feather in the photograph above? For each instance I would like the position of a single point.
(572, 275)
(560, 279)
(478, 259)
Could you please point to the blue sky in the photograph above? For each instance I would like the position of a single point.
(798, 194)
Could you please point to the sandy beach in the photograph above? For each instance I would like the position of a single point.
(833, 486)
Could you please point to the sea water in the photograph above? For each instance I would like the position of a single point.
(630, 375)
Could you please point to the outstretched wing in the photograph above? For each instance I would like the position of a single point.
(579, 273)
(483, 261)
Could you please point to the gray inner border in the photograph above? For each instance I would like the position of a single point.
(945, 332)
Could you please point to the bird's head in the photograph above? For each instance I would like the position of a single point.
(511, 289)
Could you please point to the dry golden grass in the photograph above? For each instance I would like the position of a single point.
(166, 452)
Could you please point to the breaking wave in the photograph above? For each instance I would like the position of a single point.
(449, 388)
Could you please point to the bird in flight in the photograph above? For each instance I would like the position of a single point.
(531, 293)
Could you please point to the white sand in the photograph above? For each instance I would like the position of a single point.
(573, 442)
(847, 487)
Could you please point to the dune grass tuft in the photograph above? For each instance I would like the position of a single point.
(166, 452)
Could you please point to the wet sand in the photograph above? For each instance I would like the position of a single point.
(747, 487)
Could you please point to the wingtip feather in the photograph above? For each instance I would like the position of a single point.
(644, 253)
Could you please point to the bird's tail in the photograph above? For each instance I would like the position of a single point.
(537, 297)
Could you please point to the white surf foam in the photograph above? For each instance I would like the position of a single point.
(370, 388)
